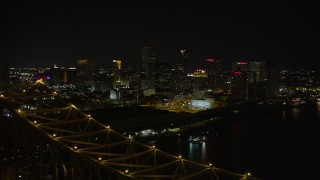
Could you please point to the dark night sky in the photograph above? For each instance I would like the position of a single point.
(52, 32)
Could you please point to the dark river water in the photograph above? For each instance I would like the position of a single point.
(279, 145)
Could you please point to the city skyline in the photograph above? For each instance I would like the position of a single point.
(41, 35)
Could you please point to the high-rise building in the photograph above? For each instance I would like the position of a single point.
(180, 83)
(214, 72)
(116, 71)
(266, 79)
(199, 80)
(148, 67)
(260, 70)
(85, 74)
(56, 75)
(181, 56)
(254, 80)
(239, 80)
(71, 75)
(163, 79)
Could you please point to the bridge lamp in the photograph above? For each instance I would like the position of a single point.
(35, 122)
(1, 95)
(126, 171)
(99, 158)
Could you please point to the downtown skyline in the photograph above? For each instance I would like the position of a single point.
(40, 35)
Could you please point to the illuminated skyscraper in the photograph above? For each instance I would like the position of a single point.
(148, 62)
(163, 78)
(116, 70)
(214, 72)
(181, 60)
(85, 74)
(199, 80)
(267, 78)
(180, 83)
(254, 80)
(71, 75)
(55, 76)
(239, 80)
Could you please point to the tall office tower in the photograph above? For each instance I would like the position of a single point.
(266, 80)
(239, 80)
(4, 71)
(148, 67)
(180, 83)
(260, 70)
(181, 60)
(163, 78)
(116, 71)
(256, 81)
(214, 73)
(199, 80)
(71, 75)
(64, 75)
(134, 79)
(85, 74)
(55, 75)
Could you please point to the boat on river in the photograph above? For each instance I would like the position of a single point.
(197, 139)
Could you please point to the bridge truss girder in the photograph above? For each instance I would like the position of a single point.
(51, 139)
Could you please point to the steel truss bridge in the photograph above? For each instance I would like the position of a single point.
(43, 137)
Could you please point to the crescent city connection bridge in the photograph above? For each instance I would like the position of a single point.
(44, 137)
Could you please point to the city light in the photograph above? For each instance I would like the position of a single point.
(37, 105)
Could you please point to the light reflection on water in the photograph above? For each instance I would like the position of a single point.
(197, 151)
(284, 140)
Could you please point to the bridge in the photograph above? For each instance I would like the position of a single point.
(44, 137)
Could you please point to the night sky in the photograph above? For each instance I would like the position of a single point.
(44, 33)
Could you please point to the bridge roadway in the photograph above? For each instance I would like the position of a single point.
(43, 137)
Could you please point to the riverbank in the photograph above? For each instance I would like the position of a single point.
(136, 118)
